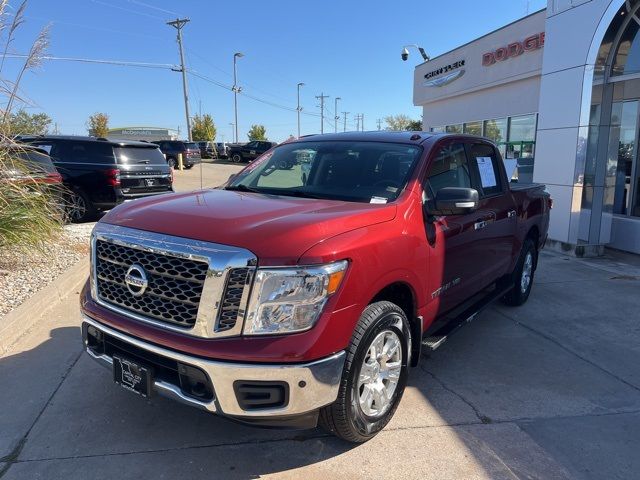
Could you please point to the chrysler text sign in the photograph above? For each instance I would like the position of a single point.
(444, 75)
(515, 49)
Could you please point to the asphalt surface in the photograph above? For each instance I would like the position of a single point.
(548, 390)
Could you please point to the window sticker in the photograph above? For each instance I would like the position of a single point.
(378, 200)
(487, 174)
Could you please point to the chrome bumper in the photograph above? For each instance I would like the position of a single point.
(311, 385)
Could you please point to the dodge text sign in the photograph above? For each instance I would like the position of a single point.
(515, 49)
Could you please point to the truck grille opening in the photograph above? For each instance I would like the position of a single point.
(230, 306)
(174, 283)
(259, 395)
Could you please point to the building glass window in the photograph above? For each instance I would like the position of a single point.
(437, 129)
(496, 131)
(627, 57)
(454, 128)
(473, 128)
(622, 140)
(522, 136)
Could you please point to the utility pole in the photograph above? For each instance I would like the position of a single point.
(337, 117)
(178, 23)
(321, 97)
(357, 122)
(344, 119)
(362, 121)
(299, 109)
(379, 122)
(236, 90)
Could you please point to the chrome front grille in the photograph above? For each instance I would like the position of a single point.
(175, 284)
(237, 281)
(198, 288)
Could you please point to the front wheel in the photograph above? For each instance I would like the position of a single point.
(374, 375)
(236, 158)
(522, 276)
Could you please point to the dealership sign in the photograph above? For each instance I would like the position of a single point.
(444, 75)
(515, 49)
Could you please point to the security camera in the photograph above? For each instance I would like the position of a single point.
(404, 54)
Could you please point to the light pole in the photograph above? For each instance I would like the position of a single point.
(299, 109)
(337, 117)
(236, 90)
(232, 131)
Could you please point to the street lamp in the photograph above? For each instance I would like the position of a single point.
(299, 109)
(236, 90)
(232, 125)
(337, 117)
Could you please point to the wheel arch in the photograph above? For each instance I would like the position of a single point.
(403, 295)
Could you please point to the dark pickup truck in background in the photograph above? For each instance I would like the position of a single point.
(249, 151)
(100, 174)
(279, 301)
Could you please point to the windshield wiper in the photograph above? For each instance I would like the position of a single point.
(293, 193)
(242, 188)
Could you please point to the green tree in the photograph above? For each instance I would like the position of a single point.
(98, 125)
(24, 123)
(203, 128)
(257, 132)
(402, 122)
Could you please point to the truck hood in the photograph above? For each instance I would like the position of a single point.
(277, 229)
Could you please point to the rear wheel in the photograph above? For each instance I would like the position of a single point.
(374, 376)
(523, 274)
(78, 207)
(236, 158)
(171, 162)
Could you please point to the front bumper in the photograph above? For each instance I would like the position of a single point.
(309, 386)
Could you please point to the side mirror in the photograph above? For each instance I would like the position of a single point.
(455, 201)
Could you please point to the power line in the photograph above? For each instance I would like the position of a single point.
(155, 17)
(153, 7)
(123, 63)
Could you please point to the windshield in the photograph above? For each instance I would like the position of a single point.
(133, 155)
(370, 172)
(191, 146)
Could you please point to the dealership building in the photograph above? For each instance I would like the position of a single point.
(559, 91)
(148, 134)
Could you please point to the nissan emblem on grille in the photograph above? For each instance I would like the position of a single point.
(136, 280)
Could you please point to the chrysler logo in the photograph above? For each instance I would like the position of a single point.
(136, 280)
(445, 79)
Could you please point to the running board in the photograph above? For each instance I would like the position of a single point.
(440, 336)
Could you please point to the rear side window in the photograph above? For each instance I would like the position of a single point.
(39, 161)
(448, 169)
(143, 155)
(486, 161)
(85, 152)
(191, 146)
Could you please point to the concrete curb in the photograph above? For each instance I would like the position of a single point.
(18, 322)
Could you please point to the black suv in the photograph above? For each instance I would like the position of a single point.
(249, 151)
(100, 173)
(207, 149)
(190, 152)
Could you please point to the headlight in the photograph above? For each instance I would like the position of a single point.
(286, 300)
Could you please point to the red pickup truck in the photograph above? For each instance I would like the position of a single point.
(299, 295)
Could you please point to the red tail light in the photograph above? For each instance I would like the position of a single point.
(113, 177)
(53, 177)
(550, 203)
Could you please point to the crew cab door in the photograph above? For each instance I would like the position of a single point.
(454, 270)
(250, 150)
(496, 217)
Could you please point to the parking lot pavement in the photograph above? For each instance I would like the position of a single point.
(547, 390)
(205, 174)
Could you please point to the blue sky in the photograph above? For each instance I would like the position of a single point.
(349, 49)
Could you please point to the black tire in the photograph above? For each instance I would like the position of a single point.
(237, 158)
(189, 167)
(79, 208)
(172, 162)
(345, 418)
(526, 266)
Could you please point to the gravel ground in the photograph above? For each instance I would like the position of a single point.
(21, 277)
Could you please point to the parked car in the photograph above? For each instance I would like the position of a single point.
(31, 165)
(306, 303)
(100, 174)
(207, 149)
(222, 150)
(249, 151)
(190, 152)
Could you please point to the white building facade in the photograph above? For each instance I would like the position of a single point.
(559, 91)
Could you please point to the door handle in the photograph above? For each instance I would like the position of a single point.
(479, 225)
(511, 214)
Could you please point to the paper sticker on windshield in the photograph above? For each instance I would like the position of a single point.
(378, 200)
(487, 174)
